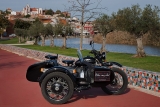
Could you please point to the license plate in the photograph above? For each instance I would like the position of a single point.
(102, 75)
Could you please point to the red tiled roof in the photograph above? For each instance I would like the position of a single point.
(63, 21)
(33, 9)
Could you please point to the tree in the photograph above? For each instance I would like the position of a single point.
(138, 22)
(27, 16)
(3, 23)
(151, 16)
(42, 33)
(103, 26)
(36, 20)
(129, 19)
(20, 28)
(85, 12)
(58, 12)
(49, 12)
(50, 32)
(64, 30)
(21, 33)
(35, 30)
(61, 15)
(22, 24)
(1, 32)
(67, 30)
(58, 29)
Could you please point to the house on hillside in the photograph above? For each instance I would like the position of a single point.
(66, 14)
(9, 10)
(88, 28)
(31, 11)
(52, 19)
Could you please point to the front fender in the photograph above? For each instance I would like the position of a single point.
(57, 69)
(116, 63)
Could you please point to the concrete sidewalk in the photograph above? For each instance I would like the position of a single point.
(16, 91)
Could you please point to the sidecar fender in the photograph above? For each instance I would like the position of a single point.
(57, 69)
(33, 71)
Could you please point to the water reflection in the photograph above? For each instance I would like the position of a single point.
(74, 43)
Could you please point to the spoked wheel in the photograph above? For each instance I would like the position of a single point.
(118, 85)
(57, 88)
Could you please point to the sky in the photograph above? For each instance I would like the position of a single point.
(111, 5)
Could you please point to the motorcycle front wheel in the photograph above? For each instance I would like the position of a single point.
(57, 88)
(118, 85)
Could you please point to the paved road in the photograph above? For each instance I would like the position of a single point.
(16, 91)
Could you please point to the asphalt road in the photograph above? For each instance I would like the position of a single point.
(16, 91)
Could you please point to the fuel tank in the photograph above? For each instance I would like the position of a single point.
(90, 59)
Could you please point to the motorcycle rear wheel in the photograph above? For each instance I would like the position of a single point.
(117, 87)
(57, 88)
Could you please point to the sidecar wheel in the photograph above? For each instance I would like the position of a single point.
(57, 88)
(118, 85)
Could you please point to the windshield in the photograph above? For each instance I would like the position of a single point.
(80, 55)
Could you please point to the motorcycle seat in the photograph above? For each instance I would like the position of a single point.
(68, 62)
(50, 57)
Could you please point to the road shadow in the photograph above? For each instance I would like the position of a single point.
(91, 93)
(6, 65)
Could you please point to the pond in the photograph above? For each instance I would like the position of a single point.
(74, 43)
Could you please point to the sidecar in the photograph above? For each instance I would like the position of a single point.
(59, 82)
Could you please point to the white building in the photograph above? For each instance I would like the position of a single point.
(13, 13)
(31, 11)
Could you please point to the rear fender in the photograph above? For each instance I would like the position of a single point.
(57, 69)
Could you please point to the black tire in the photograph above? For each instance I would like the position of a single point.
(56, 85)
(110, 89)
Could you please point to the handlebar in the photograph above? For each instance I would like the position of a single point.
(93, 51)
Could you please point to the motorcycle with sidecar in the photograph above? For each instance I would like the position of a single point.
(58, 82)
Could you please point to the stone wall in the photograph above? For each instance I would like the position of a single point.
(140, 78)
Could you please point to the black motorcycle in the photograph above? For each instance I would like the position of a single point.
(59, 82)
(100, 60)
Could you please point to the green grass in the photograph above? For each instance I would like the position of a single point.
(56, 50)
(151, 63)
(9, 41)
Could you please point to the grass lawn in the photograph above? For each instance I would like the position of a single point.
(9, 41)
(151, 63)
